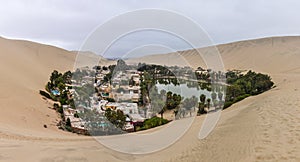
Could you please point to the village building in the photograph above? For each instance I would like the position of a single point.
(77, 124)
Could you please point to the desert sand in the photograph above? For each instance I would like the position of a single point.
(265, 127)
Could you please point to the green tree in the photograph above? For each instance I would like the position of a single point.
(202, 98)
(190, 103)
(208, 103)
(68, 122)
(201, 108)
(121, 65)
(220, 96)
(121, 119)
(54, 75)
(161, 105)
(163, 92)
(213, 96)
(194, 101)
(61, 86)
(67, 76)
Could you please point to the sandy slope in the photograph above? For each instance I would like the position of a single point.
(260, 128)
(25, 68)
(260, 55)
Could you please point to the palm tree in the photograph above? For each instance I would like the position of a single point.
(163, 102)
(163, 94)
(201, 104)
(208, 103)
(161, 105)
(201, 108)
(220, 97)
(202, 98)
(54, 76)
(194, 100)
(214, 97)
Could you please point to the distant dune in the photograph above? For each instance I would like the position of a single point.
(260, 128)
(260, 54)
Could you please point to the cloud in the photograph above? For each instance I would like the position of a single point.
(67, 23)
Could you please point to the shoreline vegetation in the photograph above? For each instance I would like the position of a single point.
(123, 98)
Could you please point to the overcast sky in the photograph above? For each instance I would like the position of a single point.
(68, 23)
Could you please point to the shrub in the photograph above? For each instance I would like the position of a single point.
(227, 104)
(68, 122)
(76, 115)
(153, 122)
(239, 98)
(68, 128)
(62, 116)
(45, 94)
(201, 109)
(60, 110)
(111, 100)
(56, 106)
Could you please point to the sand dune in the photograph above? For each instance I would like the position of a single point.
(25, 69)
(260, 55)
(260, 128)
